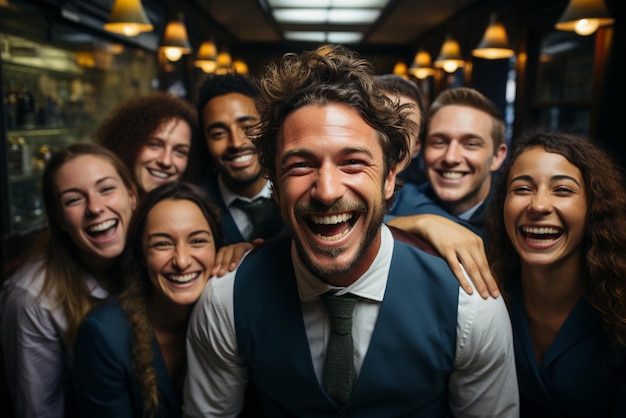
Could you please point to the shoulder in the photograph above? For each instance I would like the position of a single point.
(106, 325)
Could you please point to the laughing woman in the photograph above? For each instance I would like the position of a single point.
(130, 353)
(89, 197)
(557, 239)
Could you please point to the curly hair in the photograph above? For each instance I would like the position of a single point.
(64, 274)
(135, 296)
(466, 96)
(604, 241)
(127, 128)
(328, 75)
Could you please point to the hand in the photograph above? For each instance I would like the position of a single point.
(456, 244)
(229, 256)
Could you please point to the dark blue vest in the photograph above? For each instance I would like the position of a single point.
(410, 357)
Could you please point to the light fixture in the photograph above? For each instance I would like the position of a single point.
(584, 17)
(450, 58)
(422, 66)
(175, 42)
(240, 67)
(207, 56)
(128, 18)
(495, 42)
(400, 69)
(224, 63)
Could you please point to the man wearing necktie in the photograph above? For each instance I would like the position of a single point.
(234, 179)
(345, 316)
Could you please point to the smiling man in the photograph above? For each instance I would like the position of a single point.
(235, 179)
(345, 316)
(463, 149)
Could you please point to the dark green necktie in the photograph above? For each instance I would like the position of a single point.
(259, 211)
(339, 373)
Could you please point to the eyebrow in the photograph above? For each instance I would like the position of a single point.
(74, 189)
(166, 235)
(300, 152)
(527, 177)
(240, 119)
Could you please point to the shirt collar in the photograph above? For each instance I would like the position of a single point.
(371, 285)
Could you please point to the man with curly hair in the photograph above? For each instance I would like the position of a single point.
(345, 316)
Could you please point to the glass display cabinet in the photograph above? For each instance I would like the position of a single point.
(58, 83)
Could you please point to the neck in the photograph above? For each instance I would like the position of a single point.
(167, 316)
(554, 287)
(248, 190)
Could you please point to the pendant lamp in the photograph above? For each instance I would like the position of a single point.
(207, 56)
(224, 63)
(400, 69)
(128, 18)
(175, 42)
(240, 67)
(422, 65)
(450, 58)
(495, 42)
(584, 17)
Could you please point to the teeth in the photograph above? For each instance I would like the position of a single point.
(243, 158)
(159, 174)
(182, 278)
(334, 237)
(451, 175)
(541, 231)
(540, 241)
(102, 226)
(331, 220)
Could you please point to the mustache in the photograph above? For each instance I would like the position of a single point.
(341, 205)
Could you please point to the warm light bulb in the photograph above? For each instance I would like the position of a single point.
(450, 66)
(208, 66)
(131, 30)
(172, 54)
(585, 27)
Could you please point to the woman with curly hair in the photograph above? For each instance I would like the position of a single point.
(557, 241)
(156, 136)
(130, 353)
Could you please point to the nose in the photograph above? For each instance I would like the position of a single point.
(453, 153)
(182, 257)
(95, 205)
(165, 157)
(540, 203)
(237, 137)
(328, 186)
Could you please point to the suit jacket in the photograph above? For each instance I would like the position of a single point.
(104, 377)
(580, 376)
(230, 231)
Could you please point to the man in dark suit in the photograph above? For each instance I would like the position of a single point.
(235, 180)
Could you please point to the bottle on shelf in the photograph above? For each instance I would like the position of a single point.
(25, 108)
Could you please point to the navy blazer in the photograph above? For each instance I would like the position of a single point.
(105, 382)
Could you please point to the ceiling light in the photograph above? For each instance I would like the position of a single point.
(495, 42)
(400, 69)
(422, 65)
(375, 4)
(330, 16)
(224, 63)
(343, 37)
(584, 17)
(306, 36)
(175, 41)
(240, 67)
(128, 18)
(207, 57)
(450, 58)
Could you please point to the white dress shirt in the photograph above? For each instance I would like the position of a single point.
(242, 220)
(484, 382)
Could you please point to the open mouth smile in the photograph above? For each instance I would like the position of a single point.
(159, 174)
(332, 227)
(182, 278)
(102, 228)
(451, 175)
(541, 235)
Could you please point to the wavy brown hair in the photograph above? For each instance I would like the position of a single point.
(604, 241)
(135, 296)
(129, 125)
(329, 75)
(64, 273)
